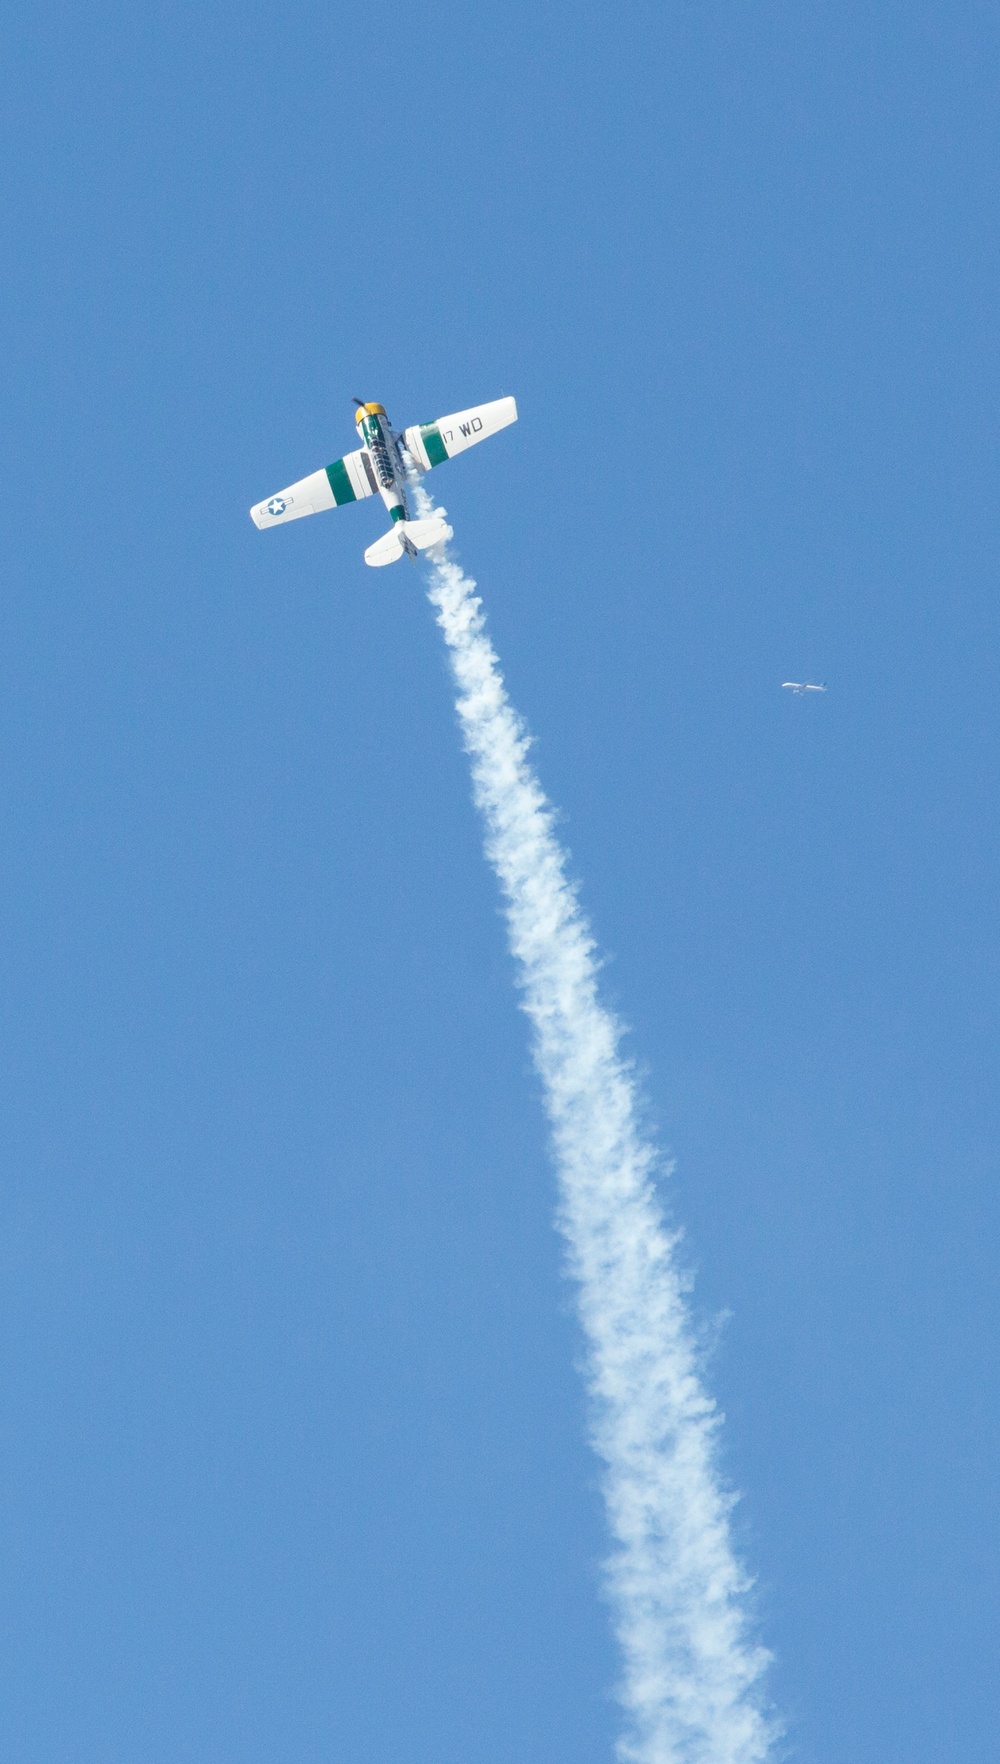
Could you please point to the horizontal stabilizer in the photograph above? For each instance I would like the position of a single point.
(411, 536)
(423, 534)
(389, 549)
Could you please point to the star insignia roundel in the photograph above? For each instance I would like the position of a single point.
(276, 506)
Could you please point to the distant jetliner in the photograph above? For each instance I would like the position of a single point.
(801, 686)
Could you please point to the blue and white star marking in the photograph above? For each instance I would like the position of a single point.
(276, 506)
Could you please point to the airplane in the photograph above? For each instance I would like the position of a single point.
(799, 687)
(386, 462)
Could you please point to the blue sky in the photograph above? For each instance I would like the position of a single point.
(291, 1435)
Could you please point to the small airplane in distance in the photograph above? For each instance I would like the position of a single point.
(386, 462)
(799, 687)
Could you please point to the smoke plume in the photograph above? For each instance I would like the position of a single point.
(691, 1684)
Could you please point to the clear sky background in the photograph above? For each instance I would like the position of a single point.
(292, 1461)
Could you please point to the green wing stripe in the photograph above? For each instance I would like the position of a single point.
(433, 444)
(340, 483)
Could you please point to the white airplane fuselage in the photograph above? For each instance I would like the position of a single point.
(384, 451)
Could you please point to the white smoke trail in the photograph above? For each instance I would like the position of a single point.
(691, 1684)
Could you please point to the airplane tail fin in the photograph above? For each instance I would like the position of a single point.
(409, 536)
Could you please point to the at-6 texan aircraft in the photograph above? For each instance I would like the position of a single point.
(384, 463)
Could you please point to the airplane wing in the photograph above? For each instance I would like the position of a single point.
(346, 480)
(430, 444)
